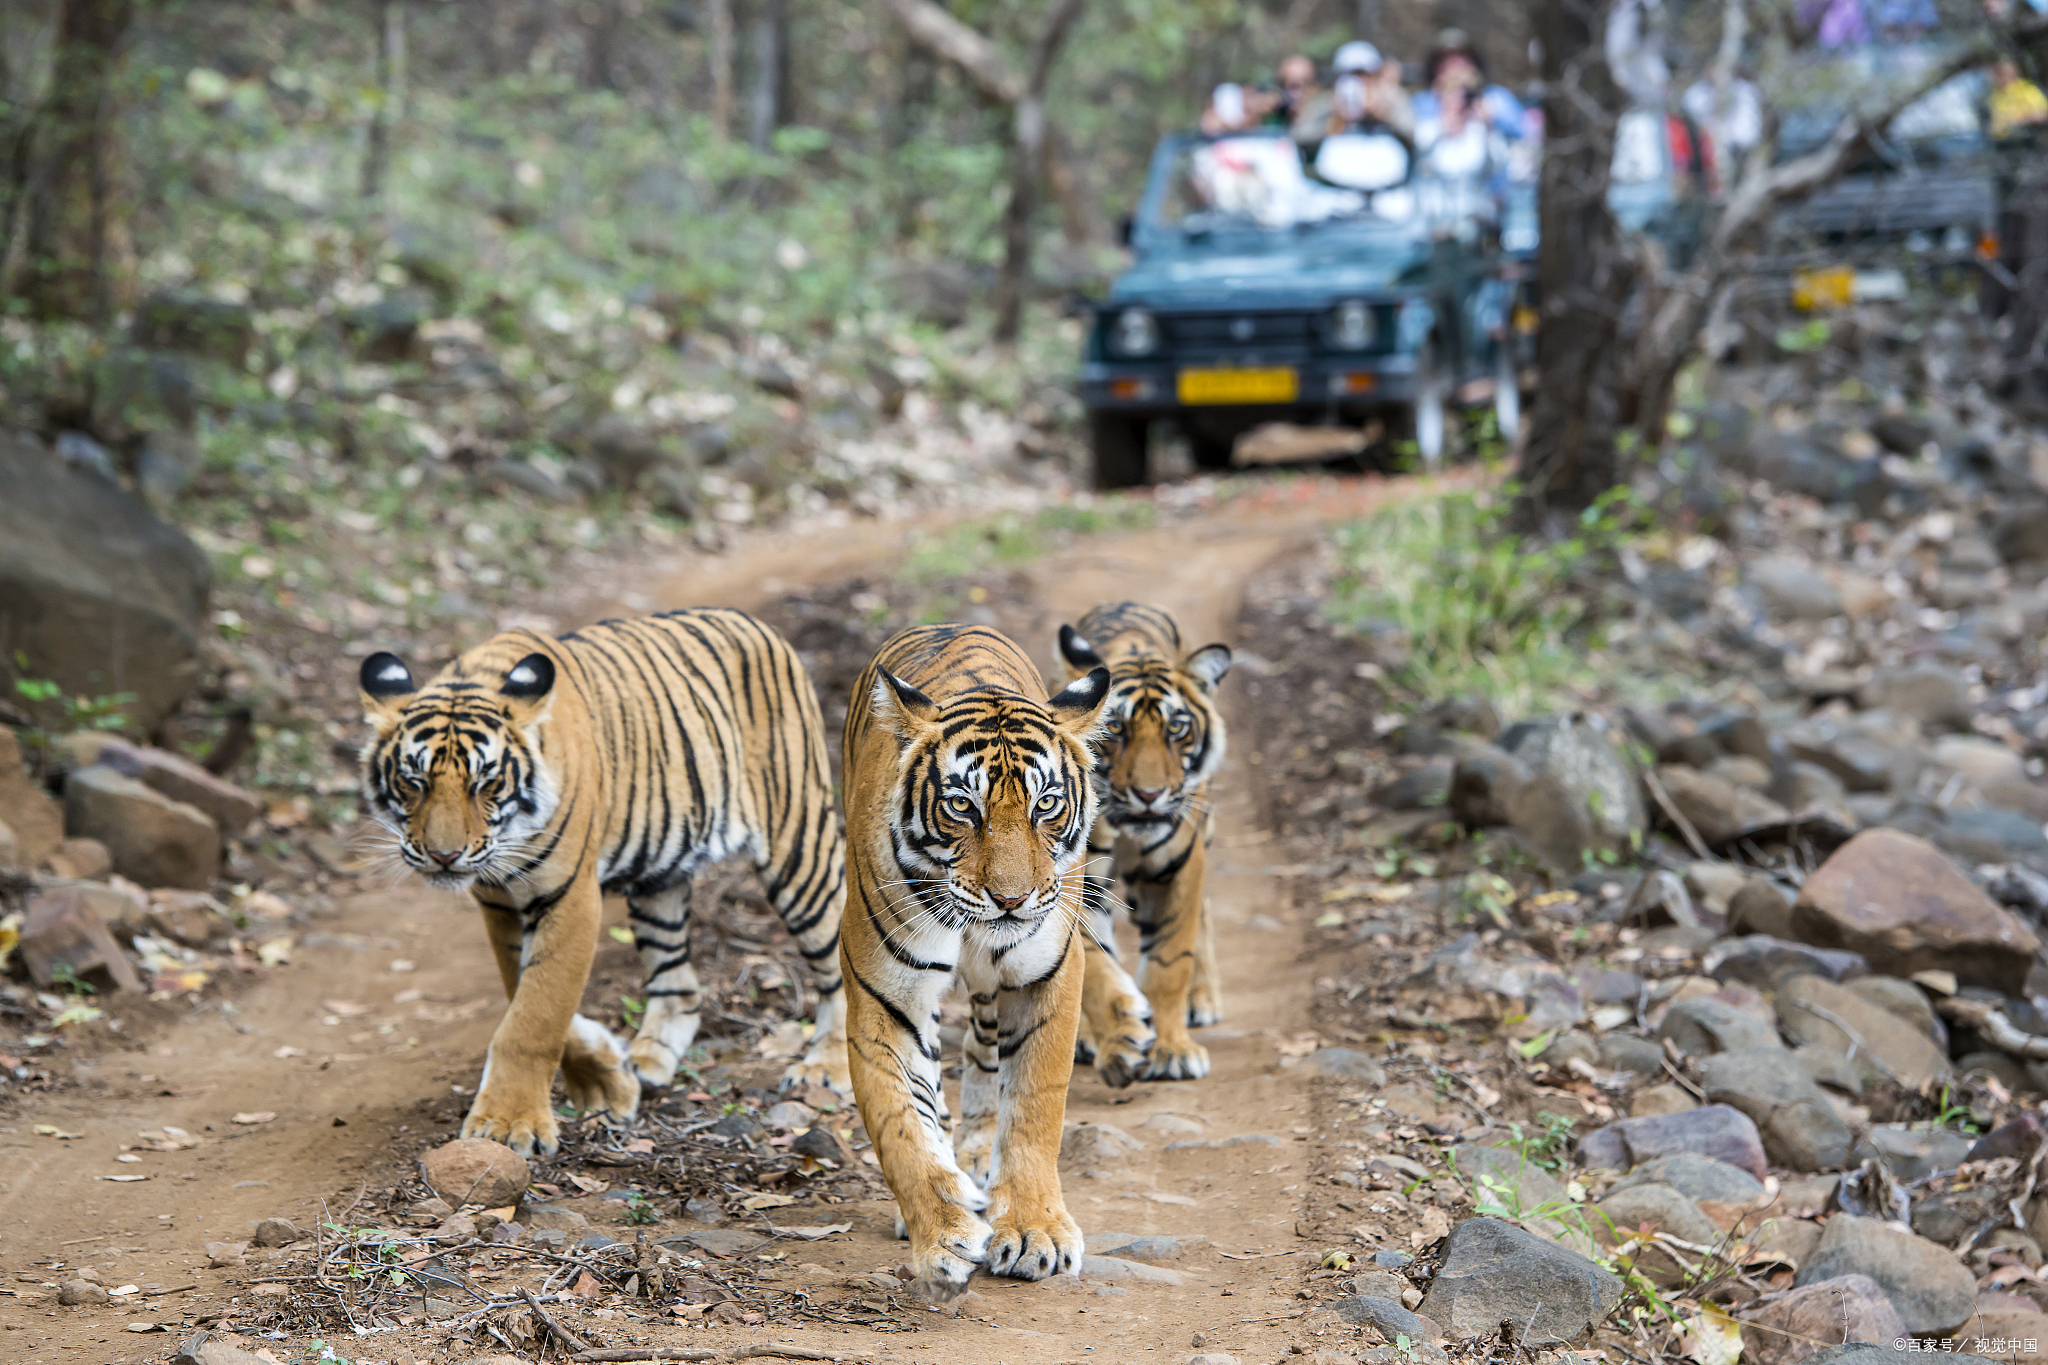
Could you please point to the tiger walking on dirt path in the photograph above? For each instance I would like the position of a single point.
(542, 773)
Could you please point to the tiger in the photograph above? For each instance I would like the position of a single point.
(968, 807)
(1161, 744)
(541, 773)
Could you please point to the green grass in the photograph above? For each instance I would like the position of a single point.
(1475, 608)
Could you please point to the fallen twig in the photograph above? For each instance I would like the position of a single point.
(1676, 816)
(560, 1333)
(1999, 1031)
(698, 1353)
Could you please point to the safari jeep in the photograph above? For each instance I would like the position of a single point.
(1267, 290)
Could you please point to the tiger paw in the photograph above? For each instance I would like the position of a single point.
(1122, 1056)
(665, 1034)
(974, 1147)
(1180, 1060)
(1033, 1250)
(943, 1265)
(824, 1063)
(526, 1127)
(1204, 1008)
(594, 1074)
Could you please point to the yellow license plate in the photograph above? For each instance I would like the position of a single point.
(1279, 385)
(1823, 288)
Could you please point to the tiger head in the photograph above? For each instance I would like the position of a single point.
(1161, 735)
(455, 772)
(990, 804)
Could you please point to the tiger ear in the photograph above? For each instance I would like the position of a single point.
(1077, 707)
(387, 686)
(906, 711)
(1208, 665)
(1079, 654)
(528, 686)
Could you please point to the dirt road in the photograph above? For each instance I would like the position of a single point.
(311, 1089)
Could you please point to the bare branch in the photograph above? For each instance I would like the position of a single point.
(1047, 49)
(933, 28)
(1768, 188)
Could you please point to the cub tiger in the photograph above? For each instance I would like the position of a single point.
(540, 773)
(1161, 743)
(968, 808)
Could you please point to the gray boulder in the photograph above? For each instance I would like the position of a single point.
(1883, 1046)
(1717, 809)
(1790, 591)
(1695, 1177)
(1705, 1025)
(1714, 1130)
(1932, 694)
(1494, 1272)
(1762, 961)
(1852, 1308)
(1933, 1292)
(154, 840)
(1659, 1207)
(1913, 1153)
(1578, 754)
(95, 593)
(1799, 1126)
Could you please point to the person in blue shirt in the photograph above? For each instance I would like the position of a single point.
(1454, 64)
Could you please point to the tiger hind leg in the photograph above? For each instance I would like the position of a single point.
(661, 931)
(1169, 916)
(810, 904)
(595, 1077)
(1116, 1019)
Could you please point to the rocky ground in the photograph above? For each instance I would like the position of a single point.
(1695, 1013)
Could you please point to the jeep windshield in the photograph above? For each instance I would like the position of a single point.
(1256, 183)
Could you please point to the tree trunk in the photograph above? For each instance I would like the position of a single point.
(600, 20)
(1583, 275)
(1027, 164)
(718, 31)
(1365, 19)
(76, 261)
(771, 73)
(390, 95)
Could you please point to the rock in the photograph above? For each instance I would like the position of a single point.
(788, 1115)
(706, 1210)
(85, 860)
(1501, 1175)
(154, 841)
(1570, 1046)
(2022, 534)
(63, 934)
(822, 1144)
(1882, 1044)
(80, 1293)
(1913, 1153)
(1153, 1248)
(1419, 788)
(1717, 808)
(1859, 760)
(937, 292)
(203, 1348)
(1494, 1272)
(552, 1218)
(1788, 1240)
(1790, 591)
(25, 808)
(1904, 1000)
(1762, 961)
(1087, 1145)
(1577, 753)
(1985, 762)
(1657, 1101)
(10, 848)
(476, 1171)
(1658, 1207)
(275, 1232)
(595, 1241)
(1761, 907)
(1213, 1358)
(1627, 1052)
(741, 1126)
(1706, 1025)
(1803, 788)
(1345, 1064)
(714, 1241)
(220, 1254)
(1934, 695)
(1484, 781)
(195, 323)
(1743, 735)
(1951, 1215)
(96, 594)
(1715, 1130)
(1387, 1315)
(625, 449)
(1807, 1196)
(180, 779)
(1743, 771)
(1850, 1308)
(388, 331)
(1111, 1268)
(1714, 883)
(1932, 1291)
(2015, 1137)
(1898, 901)
(2000, 1067)
(1799, 1126)
(1695, 1177)
(1829, 1067)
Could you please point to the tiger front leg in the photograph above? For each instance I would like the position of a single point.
(1169, 916)
(545, 966)
(1205, 995)
(1116, 1019)
(896, 1084)
(1035, 1236)
(974, 1136)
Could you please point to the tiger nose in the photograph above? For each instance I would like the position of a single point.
(1006, 903)
(1148, 794)
(444, 858)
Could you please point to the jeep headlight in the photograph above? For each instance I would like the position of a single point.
(1134, 332)
(1352, 326)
